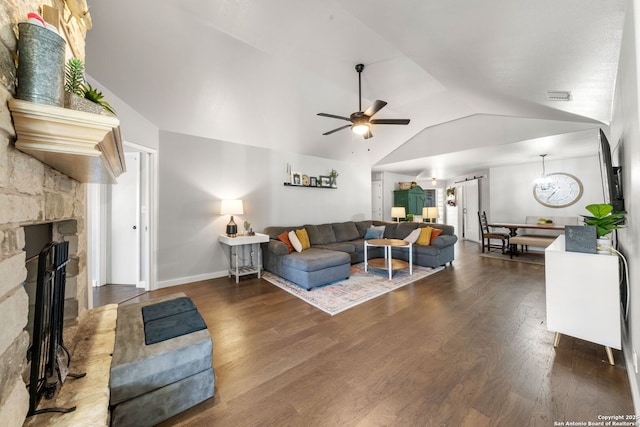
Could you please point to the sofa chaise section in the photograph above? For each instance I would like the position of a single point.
(309, 268)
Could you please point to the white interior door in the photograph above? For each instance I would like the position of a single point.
(376, 200)
(470, 206)
(125, 225)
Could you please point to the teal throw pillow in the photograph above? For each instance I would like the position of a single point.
(373, 233)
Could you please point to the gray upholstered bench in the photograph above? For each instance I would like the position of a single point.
(152, 382)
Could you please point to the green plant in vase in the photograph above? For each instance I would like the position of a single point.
(76, 86)
(604, 219)
(74, 77)
(94, 95)
(247, 229)
(332, 177)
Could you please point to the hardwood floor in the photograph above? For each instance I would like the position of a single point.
(464, 347)
(114, 294)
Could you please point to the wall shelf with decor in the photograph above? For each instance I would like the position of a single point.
(287, 184)
(85, 146)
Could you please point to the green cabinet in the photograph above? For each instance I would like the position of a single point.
(413, 200)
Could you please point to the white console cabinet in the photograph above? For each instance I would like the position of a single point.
(583, 296)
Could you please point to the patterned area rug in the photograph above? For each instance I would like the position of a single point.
(361, 286)
(529, 258)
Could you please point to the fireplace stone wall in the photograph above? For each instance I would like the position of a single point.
(30, 193)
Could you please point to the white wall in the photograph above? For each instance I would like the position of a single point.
(511, 189)
(133, 126)
(197, 173)
(625, 141)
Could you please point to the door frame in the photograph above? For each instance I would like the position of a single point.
(97, 224)
(465, 217)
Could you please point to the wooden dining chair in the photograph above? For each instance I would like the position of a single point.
(487, 235)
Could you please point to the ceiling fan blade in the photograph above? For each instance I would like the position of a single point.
(390, 121)
(333, 116)
(337, 129)
(368, 134)
(375, 107)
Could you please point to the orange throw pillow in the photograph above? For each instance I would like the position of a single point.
(435, 232)
(284, 238)
(425, 236)
(303, 236)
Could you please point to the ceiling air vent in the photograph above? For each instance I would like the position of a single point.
(559, 95)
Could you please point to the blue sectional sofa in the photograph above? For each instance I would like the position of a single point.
(335, 246)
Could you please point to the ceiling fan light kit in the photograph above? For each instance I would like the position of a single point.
(360, 127)
(361, 120)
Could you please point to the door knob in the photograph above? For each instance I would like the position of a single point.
(135, 228)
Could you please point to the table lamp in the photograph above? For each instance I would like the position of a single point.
(398, 212)
(430, 212)
(231, 207)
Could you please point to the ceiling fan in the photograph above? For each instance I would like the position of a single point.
(361, 121)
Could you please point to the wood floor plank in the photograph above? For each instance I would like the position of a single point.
(466, 346)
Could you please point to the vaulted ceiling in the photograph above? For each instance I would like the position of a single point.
(472, 76)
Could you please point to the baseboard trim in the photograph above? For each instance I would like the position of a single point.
(191, 279)
(633, 382)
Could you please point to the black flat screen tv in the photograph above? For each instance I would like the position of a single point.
(612, 176)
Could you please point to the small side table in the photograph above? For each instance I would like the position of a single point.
(388, 263)
(237, 244)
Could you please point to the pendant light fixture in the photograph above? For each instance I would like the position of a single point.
(543, 182)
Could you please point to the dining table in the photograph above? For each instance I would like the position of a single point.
(513, 227)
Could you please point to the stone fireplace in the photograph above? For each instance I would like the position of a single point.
(31, 193)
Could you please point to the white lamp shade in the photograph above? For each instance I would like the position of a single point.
(398, 212)
(231, 207)
(430, 212)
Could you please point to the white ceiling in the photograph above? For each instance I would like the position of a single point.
(471, 75)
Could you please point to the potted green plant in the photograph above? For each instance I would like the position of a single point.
(80, 95)
(247, 229)
(605, 221)
(332, 178)
(95, 96)
(603, 218)
(74, 77)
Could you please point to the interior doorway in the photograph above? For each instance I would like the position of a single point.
(469, 205)
(107, 234)
(376, 201)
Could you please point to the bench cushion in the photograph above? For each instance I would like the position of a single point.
(542, 241)
(173, 326)
(167, 308)
(314, 259)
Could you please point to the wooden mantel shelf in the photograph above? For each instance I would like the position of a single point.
(84, 146)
